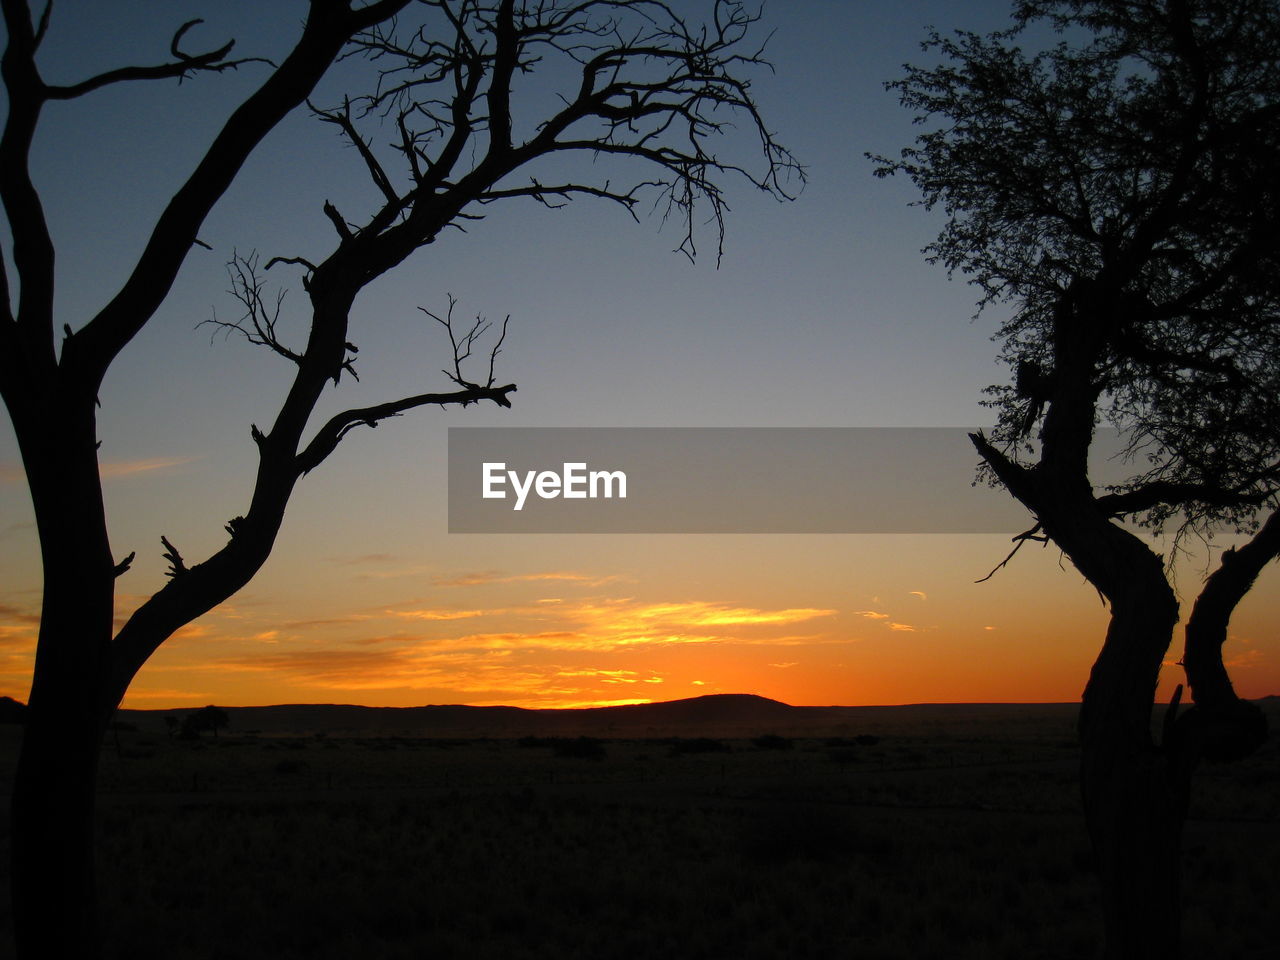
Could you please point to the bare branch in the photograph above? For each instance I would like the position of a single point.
(342, 120)
(328, 437)
(651, 87)
(297, 261)
(543, 194)
(182, 66)
(463, 345)
(327, 28)
(339, 224)
(43, 26)
(177, 567)
(258, 324)
(123, 566)
(1019, 541)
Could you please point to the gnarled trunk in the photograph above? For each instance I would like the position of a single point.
(1134, 801)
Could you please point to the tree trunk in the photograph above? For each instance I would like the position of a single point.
(1134, 816)
(52, 809)
(52, 819)
(1134, 799)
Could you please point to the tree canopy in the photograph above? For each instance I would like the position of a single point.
(1119, 189)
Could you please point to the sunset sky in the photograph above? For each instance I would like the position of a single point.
(823, 313)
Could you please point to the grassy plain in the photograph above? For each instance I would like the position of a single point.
(956, 840)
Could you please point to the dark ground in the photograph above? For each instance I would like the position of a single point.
(955, 834)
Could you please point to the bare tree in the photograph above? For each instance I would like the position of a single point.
(650, 90)
(1120, 190)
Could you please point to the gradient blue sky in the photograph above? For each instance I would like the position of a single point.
(822, 313)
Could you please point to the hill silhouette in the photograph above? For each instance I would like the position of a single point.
(712, 715)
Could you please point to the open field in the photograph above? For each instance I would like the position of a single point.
(927, 838)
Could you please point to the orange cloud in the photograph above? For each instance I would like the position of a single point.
(501, 666)
(439, 614)
(128, 468)
(486, 577)
(19, 615)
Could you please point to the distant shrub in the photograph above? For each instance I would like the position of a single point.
(208, 718)
(866, 739)
(771, 741)
(843, 755)
(291, 766)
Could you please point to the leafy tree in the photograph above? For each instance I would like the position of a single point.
(1120, 190)
(647, 93)
(209, 718)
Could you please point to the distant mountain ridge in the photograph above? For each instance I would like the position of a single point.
(719, 709)
(724, 715)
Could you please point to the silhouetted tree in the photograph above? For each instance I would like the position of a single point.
(1121, 190)
(647, 89)
(209, 718)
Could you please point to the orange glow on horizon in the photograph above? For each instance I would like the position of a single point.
(608, 639)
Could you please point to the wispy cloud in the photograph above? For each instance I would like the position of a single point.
(325, 621)
(363, 558)
(19, 638)
(626, 622)
(482, 578)
(511, 665)
(610, 676)
(127, 468)
(1245, 659)
(439, 614)
(18, 615)
(884, 620)
(918, 593)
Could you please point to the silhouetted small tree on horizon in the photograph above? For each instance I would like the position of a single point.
(648, 91)
(1121, 191)
(209, 718)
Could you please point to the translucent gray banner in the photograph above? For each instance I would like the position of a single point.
(721, 480)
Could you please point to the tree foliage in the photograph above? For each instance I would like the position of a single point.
(1123, 182)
